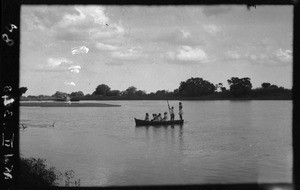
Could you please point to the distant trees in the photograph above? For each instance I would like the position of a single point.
(102, 89)
(220, 85)
(196, 87)
(130, 90)
(59, 95)
(76, 94)
(192, 87)
(113, 93)
(265, 85)
(239, 86)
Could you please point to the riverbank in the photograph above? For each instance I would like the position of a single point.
(180, 98)
(65, 104)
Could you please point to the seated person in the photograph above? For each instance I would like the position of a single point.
(154, 117)
(159, 117)
(147, 117)
(165, 118)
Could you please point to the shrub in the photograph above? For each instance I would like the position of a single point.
(34, 173)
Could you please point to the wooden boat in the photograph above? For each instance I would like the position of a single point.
(139, 122)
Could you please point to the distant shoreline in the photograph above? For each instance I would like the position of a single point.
(158, 98)
(64, 104)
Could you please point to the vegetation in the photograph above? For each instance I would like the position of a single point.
(191, 89)
(196, 87)
(240, 87)
(34, 173)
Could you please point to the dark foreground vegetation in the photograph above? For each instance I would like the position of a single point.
(191, 89)
(34, 173)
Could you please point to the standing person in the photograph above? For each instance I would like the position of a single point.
(172, 113)
(180, 110)
(147, 117)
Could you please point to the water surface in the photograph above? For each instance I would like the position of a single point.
(220, 142)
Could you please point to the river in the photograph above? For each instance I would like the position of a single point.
(220, 142)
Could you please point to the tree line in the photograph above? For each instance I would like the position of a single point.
(192, 87)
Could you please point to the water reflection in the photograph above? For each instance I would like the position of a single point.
(169, 134)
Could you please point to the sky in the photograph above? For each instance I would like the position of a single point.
(76, 48)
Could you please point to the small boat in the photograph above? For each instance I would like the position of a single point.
(139, 122)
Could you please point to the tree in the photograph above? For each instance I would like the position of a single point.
(196, 87)
(59, 94)
(140, 92)
(114, 93)
(240, 86)
(161, 92)
(265, 85)
(102, 89)
(273, 86)
(77, 94)
(223, 89)
(176, 91)
(130, 90)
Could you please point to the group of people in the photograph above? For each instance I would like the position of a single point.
(158, 117)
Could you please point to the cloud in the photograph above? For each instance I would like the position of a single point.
(56, 62)
(85, 14)
(284, 55)
(72, 23)
(79, 49)
(211, 28)
(185, 34)
(175, 37)
(263, 56)
(70, 83)
(75, 68)
(130, 54)
(106, 47)
(187, 53)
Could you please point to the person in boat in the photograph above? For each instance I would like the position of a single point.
(154, 117)
(172, 113)
(159, 117)
(147, 117)
(165, 118)
(180, 110)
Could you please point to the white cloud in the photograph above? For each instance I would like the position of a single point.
(70, 83)
(86, 23)
(185, 34)
(72, 18)
(186, 53)
(56, 62)
(92, 14)
(130, 54)
(211, 28)
(108, 47)
(96, 12)
(75, 68)
(80, 49)
(284, 55)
